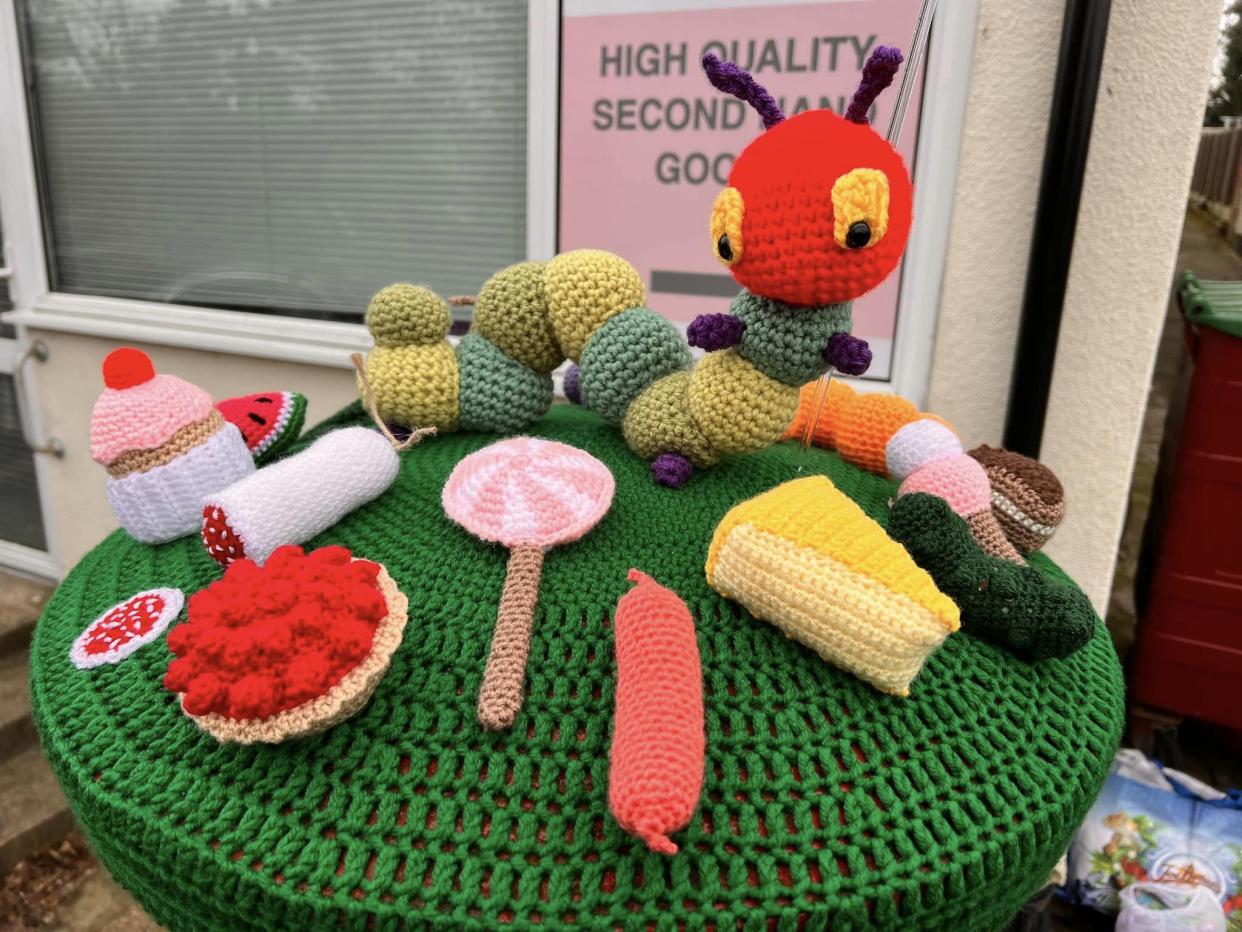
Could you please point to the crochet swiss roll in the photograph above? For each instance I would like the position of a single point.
(164, 445)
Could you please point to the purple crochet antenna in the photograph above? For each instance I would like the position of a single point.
(877, 74)
(728, 77)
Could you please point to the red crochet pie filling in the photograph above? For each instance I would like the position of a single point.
(263, 640)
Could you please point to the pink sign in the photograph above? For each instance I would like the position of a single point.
(647, 143)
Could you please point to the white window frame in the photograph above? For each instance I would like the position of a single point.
(327, 343)
(25, 272)
(291, 339)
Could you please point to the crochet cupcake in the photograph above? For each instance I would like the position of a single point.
(164, 445)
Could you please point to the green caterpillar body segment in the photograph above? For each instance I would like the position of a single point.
(511, 313)
(412, 370)
(634, 366)
(583, 289)
(625, 355)
(659, 421)
(787, 343)
(496, 392)
(737, 407)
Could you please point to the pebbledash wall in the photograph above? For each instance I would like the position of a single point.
(1156, 72)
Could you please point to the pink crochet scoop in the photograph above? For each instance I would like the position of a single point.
(142, 414)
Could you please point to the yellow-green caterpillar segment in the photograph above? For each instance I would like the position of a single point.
(634, 368)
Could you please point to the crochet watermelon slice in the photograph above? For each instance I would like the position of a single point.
(125, 627)
(270, 421)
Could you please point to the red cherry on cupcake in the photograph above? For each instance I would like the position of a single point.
(126, 367)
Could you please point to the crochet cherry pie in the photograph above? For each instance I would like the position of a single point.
(286, 649)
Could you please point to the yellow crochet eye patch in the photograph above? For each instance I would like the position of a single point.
(860, 208)
(727, 215)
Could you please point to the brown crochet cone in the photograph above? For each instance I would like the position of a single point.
(990, 536)
(1027, 498)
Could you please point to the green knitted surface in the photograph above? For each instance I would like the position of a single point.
(824, 802)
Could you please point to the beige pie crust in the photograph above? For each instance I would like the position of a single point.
(339, 702)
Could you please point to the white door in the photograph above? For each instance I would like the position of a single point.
(23, 530)
(24, 537)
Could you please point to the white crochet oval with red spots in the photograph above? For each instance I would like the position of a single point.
(124, 628)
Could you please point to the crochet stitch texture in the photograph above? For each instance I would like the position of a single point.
(806, 558)
(821, 797)
(1027, 498)
(165, 501)
(1012, 605)
(291, 501)
(655, 772)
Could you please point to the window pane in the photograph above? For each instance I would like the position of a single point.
(21, 521)
(284, 155)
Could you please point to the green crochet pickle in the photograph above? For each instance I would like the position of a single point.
(824, 801)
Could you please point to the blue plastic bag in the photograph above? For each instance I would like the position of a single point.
(1157, 826)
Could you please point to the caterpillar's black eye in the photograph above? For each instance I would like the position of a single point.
(859, 235)
(723, 249)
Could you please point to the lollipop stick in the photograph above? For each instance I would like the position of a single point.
(504, 678)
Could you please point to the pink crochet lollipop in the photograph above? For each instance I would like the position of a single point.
(529, 495)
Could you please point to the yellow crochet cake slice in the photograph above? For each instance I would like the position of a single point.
(807, 559)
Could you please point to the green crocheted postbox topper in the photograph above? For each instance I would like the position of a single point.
(823, 801)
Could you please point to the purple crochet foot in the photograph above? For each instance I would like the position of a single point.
(848, 354)
(715, 331)
(573, 384)
(672, 470)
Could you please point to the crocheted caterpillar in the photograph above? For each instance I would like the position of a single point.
(295, 498)
(1011, 503)
(817, 213)
(655, 769)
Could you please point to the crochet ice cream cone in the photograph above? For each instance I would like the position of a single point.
(1027, 498)
(165, 447)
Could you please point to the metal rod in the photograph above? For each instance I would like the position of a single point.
(914, 57)
(1083, 32)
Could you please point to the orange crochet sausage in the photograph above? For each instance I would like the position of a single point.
(858, 425)
(840, 394)
(656, 767)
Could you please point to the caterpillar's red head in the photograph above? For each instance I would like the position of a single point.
(818, 208)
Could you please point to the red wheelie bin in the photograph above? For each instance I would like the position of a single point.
(1188, 655)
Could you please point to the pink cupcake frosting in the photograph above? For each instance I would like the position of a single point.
(141, 415)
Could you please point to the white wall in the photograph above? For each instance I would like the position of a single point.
(1157, 65)
(1015, 60)
(1156, 69)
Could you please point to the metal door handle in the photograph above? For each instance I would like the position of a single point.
(38, 351)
